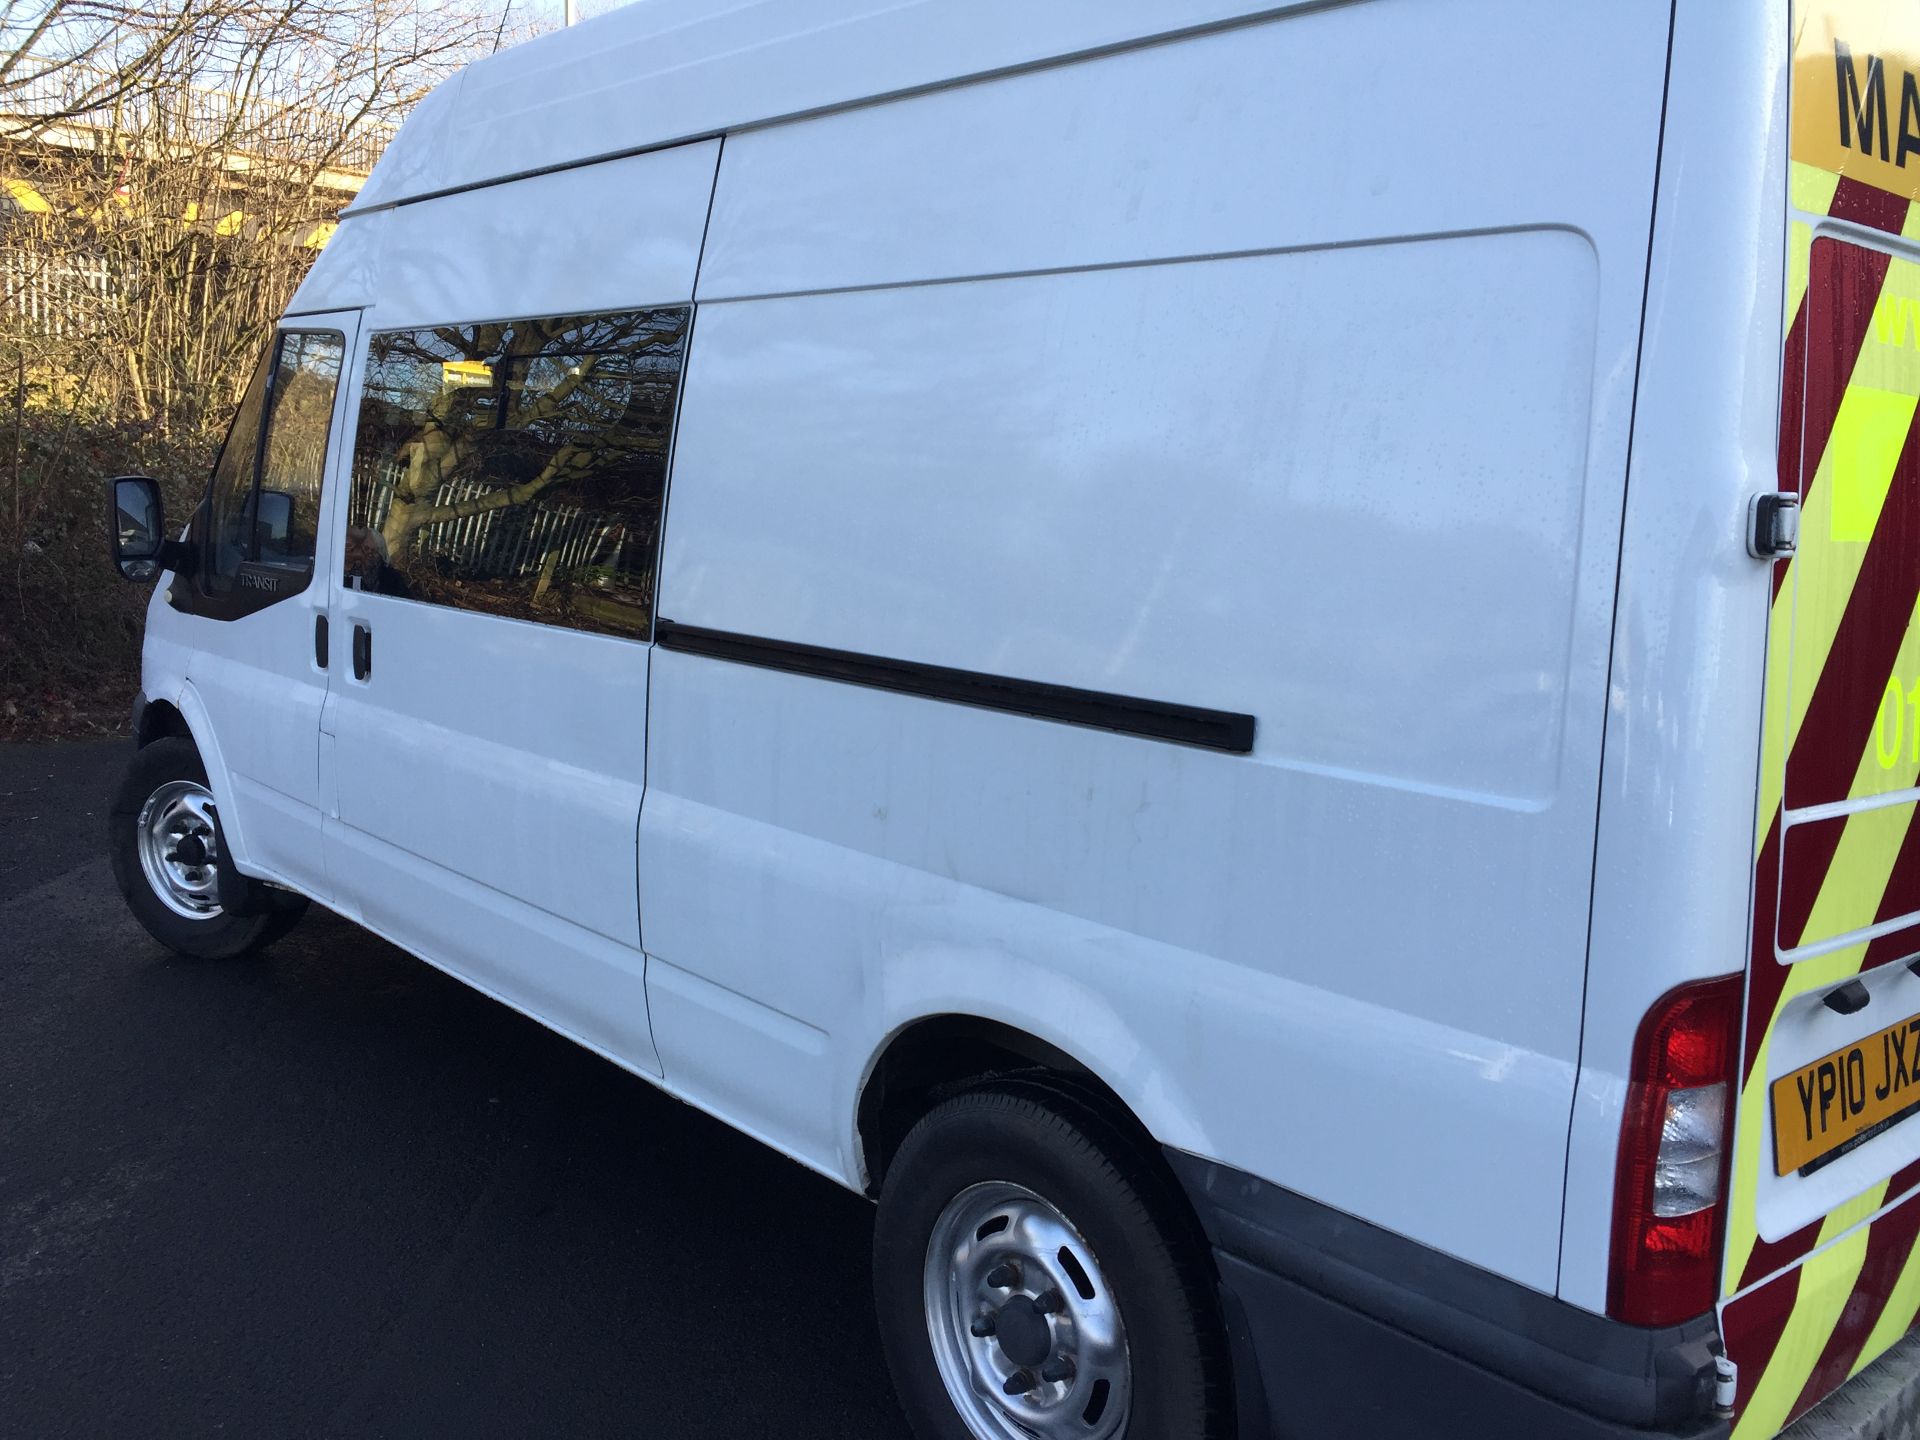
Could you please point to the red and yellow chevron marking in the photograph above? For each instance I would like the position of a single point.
(1837, 878)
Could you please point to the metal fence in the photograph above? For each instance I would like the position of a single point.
(57, 296)
(504, 543)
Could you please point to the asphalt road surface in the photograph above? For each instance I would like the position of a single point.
(330, 1191)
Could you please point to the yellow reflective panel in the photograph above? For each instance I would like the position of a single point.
(1867, 440)
(1856, 91)
(1810, 188)
(1801, 242)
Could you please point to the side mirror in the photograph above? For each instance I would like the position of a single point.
(273, 517)
(137, 529)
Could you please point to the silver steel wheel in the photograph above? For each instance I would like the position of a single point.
(179, 848)
(1026, 1332)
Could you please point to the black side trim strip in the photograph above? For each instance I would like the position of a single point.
(1153, 719)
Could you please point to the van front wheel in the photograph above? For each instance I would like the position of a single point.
(163, 836)
(1033, 1281)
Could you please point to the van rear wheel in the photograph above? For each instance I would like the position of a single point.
(163, 836)
(1034, 1282)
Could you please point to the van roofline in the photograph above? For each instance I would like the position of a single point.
(661, 73)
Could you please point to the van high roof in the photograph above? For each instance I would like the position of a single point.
(662, 71)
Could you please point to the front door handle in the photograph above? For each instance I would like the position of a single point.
(320, 640)
(362, 652)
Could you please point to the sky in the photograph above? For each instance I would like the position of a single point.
(549, 12)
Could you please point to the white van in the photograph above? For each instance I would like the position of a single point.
(1154, 632)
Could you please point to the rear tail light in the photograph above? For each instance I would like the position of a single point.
(1670, 1188)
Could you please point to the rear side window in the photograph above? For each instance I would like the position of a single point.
(518, 468)
(263, 506)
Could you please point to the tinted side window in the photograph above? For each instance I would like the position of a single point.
(518, 468)
(230, 496)
(263, 507)
(295, 459)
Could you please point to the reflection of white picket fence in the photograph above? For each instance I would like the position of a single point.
(507, 542)
(60, 296)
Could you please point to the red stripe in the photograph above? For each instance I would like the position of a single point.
(1793, 394)
(1843, 282)
(1866, 204)
(1889, 1243)
(1752, 1327)
(1904, 1180)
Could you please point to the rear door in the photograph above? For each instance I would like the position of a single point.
(1821, 1269)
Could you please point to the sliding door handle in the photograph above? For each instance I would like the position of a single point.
(362, 652)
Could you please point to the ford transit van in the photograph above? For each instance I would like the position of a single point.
(1258, 662)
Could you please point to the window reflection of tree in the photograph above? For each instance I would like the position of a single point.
(297, 443)
(527, 463)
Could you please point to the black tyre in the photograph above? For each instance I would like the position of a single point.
(164, 840)
(1035, 1277)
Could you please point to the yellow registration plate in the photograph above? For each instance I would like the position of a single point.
(1841, 1098)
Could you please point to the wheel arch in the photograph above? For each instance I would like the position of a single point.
(159, 720)
(188, 712)
(935, 1056)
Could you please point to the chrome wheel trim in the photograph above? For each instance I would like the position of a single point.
(999, 1257)
(179, 847)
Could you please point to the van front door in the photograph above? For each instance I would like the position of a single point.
(260, 663)
(494, 604)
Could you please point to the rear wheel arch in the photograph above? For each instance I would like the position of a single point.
(939, 1056)
(967, 1096)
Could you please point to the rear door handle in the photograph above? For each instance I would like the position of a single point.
(362, 652)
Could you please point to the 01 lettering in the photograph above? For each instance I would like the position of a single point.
(1896, 730)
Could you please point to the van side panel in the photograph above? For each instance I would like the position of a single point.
(1362, 482)
(1125, 480)
(1228, 558)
